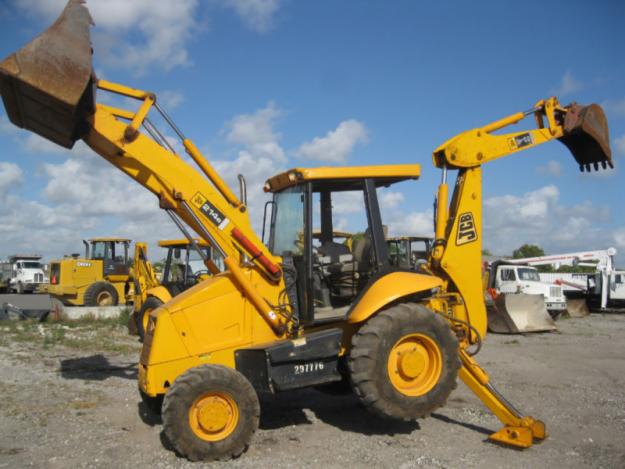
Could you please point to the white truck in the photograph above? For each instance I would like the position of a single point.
(22, 273)
(606, 285)
(511, 277)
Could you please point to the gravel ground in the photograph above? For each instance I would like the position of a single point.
(69, 399)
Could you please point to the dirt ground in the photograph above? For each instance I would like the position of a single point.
(69, 399)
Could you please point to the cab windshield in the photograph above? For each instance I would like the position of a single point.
(529, 274)
(287, 226)
(30, 265)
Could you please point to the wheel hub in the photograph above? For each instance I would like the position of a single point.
(415, 364)
(412, 363)
(213, 414)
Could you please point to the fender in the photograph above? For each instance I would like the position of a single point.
(388, 288)
(160, 293)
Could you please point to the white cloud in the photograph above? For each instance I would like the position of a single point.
(336, 146)
(170, 99)
(538, 217)
(390, 199)
(410, 224)
(257, 15)
(160, 30)
(255, 132)
(344, 203)
(552, 168)
(619, 238)
(568, 85)
(10, 176)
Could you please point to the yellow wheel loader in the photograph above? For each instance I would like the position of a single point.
(272, 321)
(184, 267)
(101, 278)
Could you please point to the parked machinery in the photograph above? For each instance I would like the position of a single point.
(518, 301)
(101, 278)
(182, 269)
(401, 341)
(606, 286)
(22, 273)
(409, 251)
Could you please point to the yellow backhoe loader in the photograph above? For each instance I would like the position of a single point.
(183, 268)
(101, 278)
(271, 321)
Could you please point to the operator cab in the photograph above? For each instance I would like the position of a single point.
(184, 266)
(409, 252)
(325, 269)
(113, 252)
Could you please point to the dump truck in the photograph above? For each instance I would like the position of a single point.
(101, 278)
(183, 268)
(259, 326)
(22, 273)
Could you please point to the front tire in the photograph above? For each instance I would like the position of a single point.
(143, 316)
(210, 412)
(101, 294)
(404, 362)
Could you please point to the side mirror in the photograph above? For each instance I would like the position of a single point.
(177, 253)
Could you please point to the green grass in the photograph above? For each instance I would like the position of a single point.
(87, 334)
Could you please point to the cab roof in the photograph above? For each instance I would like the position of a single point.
(180, 243)
(343, 178)
(409, 238)
(113, 239)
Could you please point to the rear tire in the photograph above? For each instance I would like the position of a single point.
(210, 412)
(101, 294)
(404, 362)
(143, 316)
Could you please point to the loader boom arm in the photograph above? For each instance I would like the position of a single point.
(49, 87)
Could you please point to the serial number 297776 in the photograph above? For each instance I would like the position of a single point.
(308, 367)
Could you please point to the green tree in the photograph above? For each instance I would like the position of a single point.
(528, 250)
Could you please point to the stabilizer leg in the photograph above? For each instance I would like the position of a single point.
(518, 431)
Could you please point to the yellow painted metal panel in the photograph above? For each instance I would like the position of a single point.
(389, 288)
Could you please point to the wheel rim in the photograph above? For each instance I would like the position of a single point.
(415, 364)
(213, 416)
(104, 298)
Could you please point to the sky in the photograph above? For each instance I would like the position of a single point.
(264, 85)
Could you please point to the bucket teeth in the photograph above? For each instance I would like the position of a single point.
(587, 137)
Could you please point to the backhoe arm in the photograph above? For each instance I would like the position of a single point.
(457, 252)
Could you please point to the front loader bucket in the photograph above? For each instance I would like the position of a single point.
(517, 313)
(586, 136)
(47, 85)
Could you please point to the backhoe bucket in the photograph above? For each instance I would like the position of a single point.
(517, 313)
(47, 85)
(586, 136)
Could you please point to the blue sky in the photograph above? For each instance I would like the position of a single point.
(263, 85)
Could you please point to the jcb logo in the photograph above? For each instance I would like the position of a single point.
(466, 229)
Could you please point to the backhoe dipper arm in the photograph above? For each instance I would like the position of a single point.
(457, 252)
